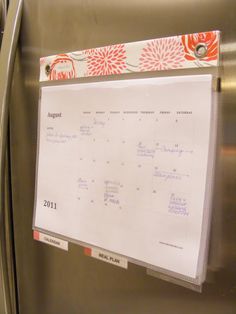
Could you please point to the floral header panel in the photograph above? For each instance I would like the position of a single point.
(178, 52)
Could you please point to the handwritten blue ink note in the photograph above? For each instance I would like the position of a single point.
(178, 205)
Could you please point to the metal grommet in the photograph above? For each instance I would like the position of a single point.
(47, 69)
(200, 50)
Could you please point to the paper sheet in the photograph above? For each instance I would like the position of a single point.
(122, 165)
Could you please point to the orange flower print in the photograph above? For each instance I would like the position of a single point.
(162, 54)
(42, 61)
(209, 39)
(62, 68)
(106, 60)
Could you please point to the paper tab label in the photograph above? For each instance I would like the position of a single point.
(107, 257)
(45, 238)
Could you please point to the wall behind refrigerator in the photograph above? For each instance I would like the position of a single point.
(51, 281)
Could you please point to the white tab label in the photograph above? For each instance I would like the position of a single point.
(107, 257)
(45, 238)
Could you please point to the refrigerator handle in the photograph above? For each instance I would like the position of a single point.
(7, 58)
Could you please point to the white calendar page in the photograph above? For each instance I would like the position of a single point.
(122, 165)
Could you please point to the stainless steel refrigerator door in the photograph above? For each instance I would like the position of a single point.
(1, 286)
(10, 28)
(52, 281)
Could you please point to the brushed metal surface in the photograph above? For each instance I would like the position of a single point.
(7, 57)
(2, 303)
(3, 15)
(51, 281)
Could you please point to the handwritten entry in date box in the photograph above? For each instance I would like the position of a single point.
(122, 165)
